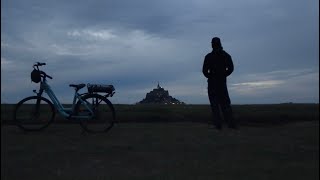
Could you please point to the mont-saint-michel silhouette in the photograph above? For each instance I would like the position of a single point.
(159, 96)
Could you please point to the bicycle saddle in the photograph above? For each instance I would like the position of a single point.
(77, 86)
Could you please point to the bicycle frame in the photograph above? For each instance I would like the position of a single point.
(65, 112)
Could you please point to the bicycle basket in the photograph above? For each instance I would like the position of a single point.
(95, 88)
(35, 76)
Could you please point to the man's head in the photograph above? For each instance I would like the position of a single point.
(216, 43)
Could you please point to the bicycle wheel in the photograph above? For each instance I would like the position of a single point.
(34, 113)
(103, 115)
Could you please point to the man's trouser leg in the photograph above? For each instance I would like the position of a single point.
(226, 108)
(214, 107)
(228, 116)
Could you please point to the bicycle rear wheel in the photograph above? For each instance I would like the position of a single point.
(34, 113)
(103, 115)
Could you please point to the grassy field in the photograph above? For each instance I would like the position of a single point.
(253, 115)
(162, 151)
(274, 142)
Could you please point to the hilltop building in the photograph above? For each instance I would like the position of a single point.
(159, 96)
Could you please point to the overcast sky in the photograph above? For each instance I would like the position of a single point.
(133, 44)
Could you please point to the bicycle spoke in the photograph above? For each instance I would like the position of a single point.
(103, 114)
(32, 114)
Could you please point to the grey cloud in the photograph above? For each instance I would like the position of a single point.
(134, 43)
(288, 85)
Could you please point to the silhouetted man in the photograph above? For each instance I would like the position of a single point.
(216, 67)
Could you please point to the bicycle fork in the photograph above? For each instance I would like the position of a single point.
(36, 112)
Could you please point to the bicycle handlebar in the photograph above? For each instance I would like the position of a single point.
(49, 76)
(45, 75)
(37, 64)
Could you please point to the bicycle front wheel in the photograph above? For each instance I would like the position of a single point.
(33, 113)
(102, 115)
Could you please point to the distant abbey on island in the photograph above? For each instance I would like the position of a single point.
(159, 96)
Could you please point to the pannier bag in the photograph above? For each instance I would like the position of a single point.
(95, 88)
(35, 76)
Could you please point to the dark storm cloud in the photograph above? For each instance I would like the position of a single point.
(135, 44)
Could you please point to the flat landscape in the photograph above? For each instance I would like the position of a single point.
(150, 142)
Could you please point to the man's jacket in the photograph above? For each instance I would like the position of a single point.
(217, 66)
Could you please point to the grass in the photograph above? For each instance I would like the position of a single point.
(162, 151)
(253, 115)
(169, 142)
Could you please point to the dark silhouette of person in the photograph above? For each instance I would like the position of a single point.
(216, 67)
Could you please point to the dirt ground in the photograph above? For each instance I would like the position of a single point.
(162, 151)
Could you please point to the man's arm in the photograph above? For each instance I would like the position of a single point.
(229, 68)
(205, 68)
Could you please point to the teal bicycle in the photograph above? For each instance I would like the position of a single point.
(92, 109)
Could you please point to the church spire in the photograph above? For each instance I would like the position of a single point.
(158, 85)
